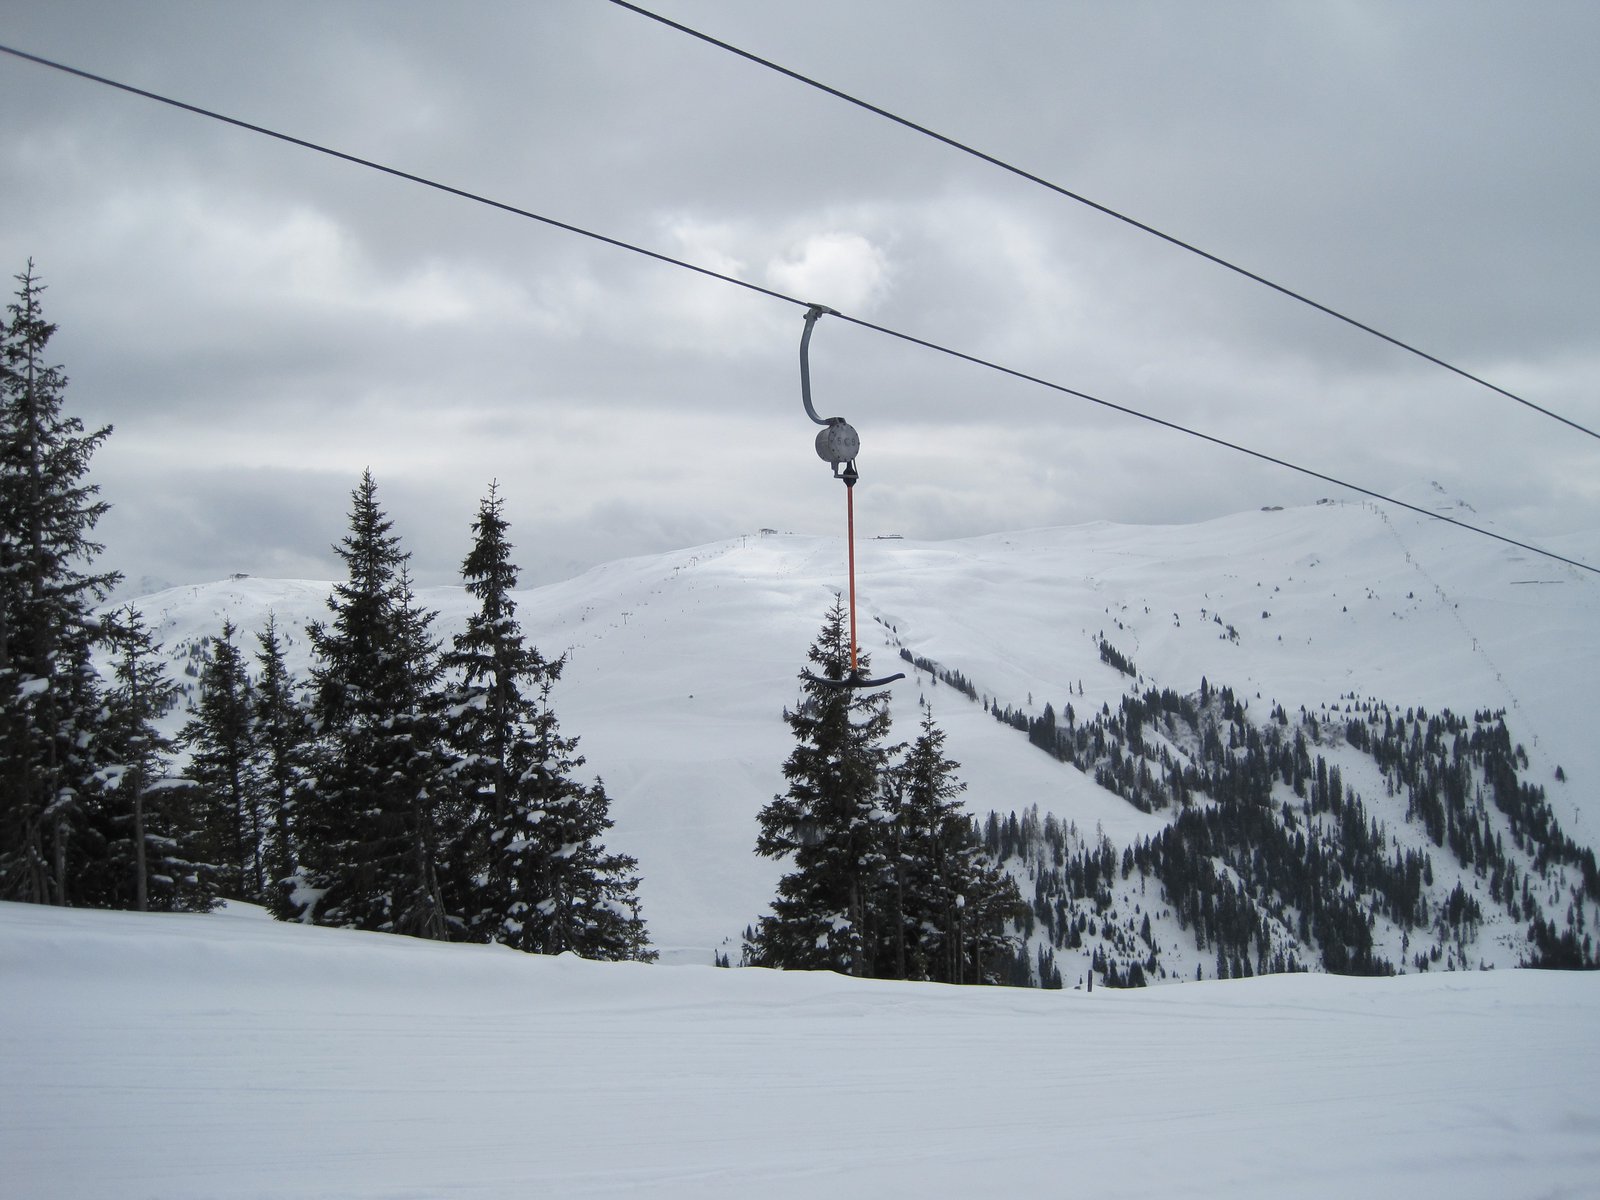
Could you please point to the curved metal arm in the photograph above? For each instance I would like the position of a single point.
(812, 313)
(853, 681)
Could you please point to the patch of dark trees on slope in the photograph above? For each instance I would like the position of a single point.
(1269, 884)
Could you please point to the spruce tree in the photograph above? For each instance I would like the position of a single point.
(949, 906)
(372, 836)
(539, 876)
(223, 762)
(493, 672)
(829, 824)
(157, 858)
(570, 893)
(985, 911)
(284, 743)
(49, 692)
(953, 904)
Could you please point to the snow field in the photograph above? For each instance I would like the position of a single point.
(178, 1057)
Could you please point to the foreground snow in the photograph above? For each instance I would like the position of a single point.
(229, 1056)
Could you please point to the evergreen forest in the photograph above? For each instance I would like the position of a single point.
(1271, 860)
(410, 785)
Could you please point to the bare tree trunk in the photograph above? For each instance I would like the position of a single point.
(141, 879)
(857, 966)
(899, 920)
(56, 883)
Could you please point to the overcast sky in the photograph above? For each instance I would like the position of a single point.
(260, 323)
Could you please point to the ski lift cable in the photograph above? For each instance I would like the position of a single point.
(1224, 443)
(1106, 210)
(707, 272)
(409, 177)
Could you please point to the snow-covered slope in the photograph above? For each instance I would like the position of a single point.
(681, 664)
(219, 1056)
(227, 1055)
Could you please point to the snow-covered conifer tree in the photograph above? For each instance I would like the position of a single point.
(380, 809)
(953, 903)
(49, 692)
(830, 823)
(157, 857)
(284, 743)
(540, 877)
(223, 762)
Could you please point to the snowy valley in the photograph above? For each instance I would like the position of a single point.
(1184, 672)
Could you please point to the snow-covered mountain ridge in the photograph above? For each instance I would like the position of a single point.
(681, 664)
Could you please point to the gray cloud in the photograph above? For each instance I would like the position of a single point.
(260, 324)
